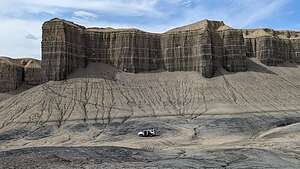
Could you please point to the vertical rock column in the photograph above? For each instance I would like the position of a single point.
(32, 73)
(250, 44)
(272, 51)
(206, 54)
(168, 46)
(11, 76)
(295, 50)
(135, 51)
(53, 50)
(178, 51)
(188, 51)
(217, 49)
(75, 47)
(235, 59)
(62, 50)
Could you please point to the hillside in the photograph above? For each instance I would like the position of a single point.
(237, 120)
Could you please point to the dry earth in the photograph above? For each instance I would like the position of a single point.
(234, 120)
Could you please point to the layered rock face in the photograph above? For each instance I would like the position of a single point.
(234, 51)
(11, 75)
(63, 49)
(32, 73)
(187, 50)
(67, 46)
(273, 47)
(129, 50)
(204, 47)
(213, 44)
(15, 72)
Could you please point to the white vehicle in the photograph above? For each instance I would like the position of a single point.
(149, 132)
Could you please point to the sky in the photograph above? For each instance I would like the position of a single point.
(21, 20)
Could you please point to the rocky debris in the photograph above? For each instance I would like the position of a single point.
(15, 72)
(202, 47)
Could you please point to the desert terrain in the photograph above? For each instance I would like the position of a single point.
(90, 120)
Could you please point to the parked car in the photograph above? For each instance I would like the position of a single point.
(149, 132)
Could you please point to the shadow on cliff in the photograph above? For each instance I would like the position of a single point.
(252, 66)
(95, 70)
(289, 65)
(255, 66)
(109, 72)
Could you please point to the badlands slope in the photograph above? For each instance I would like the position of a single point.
(234, 120)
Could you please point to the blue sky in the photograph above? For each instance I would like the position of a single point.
(21, 20)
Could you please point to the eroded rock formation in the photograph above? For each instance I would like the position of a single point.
(273, 47)
(15, 72)
(11, 75)
(202, 47)
(32, 72)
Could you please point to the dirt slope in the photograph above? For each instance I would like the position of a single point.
(236, 120)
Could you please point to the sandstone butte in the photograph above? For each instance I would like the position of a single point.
(204, 47)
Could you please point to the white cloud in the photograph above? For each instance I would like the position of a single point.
(187, 3)
(16, 29)
(31, 36)
(117, 7)
(262, 11)
(85, 14)
(20, 30)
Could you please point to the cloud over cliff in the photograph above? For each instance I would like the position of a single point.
(20, 18)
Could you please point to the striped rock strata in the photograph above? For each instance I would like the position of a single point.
(203, 47)
(15, 72)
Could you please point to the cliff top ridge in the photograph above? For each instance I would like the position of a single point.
(201, 25)
(22, 62)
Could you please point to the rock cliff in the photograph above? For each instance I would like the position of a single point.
(203, 46)
(15, 72)
(32, 72)
(273, 47)
(11, 75)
